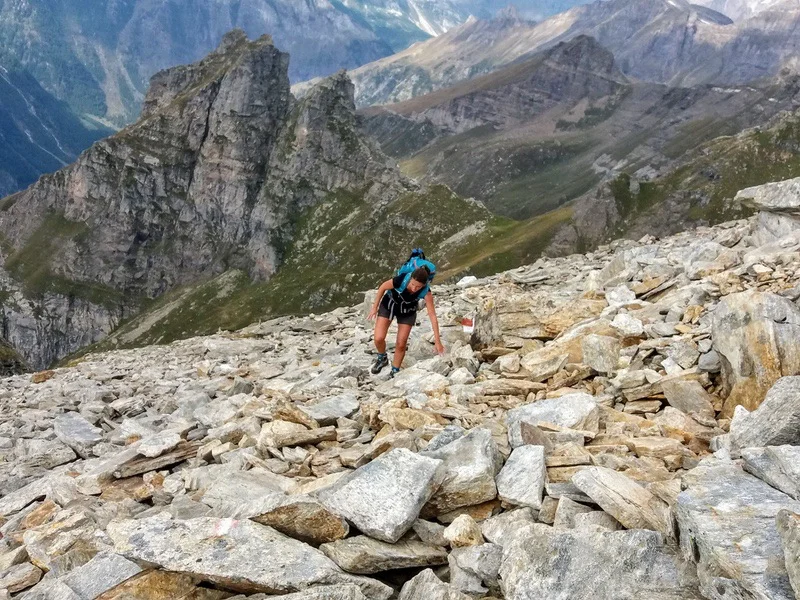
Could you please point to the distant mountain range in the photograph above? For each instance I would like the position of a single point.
(540, 132)
(661, 41)
(99, 56)
(38, 133)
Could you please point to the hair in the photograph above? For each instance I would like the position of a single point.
(421, 274)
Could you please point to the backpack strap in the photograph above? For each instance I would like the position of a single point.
(404, 283)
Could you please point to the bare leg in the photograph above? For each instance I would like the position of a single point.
(403, 332)
(381, 328)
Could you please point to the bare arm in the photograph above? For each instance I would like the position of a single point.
(385, 287)
(434, 322)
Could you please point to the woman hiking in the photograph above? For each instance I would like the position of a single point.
(398, 298)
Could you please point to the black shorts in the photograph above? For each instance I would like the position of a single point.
(390, 312)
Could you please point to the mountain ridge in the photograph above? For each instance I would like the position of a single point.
(673, 43)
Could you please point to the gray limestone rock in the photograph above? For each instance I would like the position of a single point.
(778, 466)
(104, 572)
(384, 497)
(566, 512)
(601, 352)
(500, 528)
(710, 362)
(521, 480)
(625, 500)
(364, 555)
(470, 465)
(430, 532)
(596, 520)
(689, 397)
(426, 586)
(331, 409)
(576, 411)
(775, 422)
(159, 443)
(726, 519)
(326, 592)
(474, 570)
(584, 565)
(77, 433)
(788, 525)
(779, 196)
(223, 550)
(755, 335)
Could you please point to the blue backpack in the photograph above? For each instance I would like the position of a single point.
(416, 260)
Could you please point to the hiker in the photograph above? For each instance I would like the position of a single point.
(398, 298)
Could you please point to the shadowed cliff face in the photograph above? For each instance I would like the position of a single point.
(10, 362)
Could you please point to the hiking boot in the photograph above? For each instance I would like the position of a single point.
(381, 361)
(394, 372)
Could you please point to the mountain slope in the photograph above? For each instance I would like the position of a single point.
(532, 136)
(225, 172)
(38, 133)
(697, 190)
(739, 10)
(661, 41)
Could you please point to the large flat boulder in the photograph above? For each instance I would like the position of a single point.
(363, 555)
(225, 551)
(776, 196)
(726, 519)
(470, 465)
(624, 499)
(778, 466)
(755, 335)
(384, 497)
(593, 565)
(576, 411)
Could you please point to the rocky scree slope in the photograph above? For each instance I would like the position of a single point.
(668, 42)
(622, 423)
(224, 173)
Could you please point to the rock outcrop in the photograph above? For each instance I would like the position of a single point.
(779, 206)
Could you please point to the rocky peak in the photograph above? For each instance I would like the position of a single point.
(168, 84)
(324, 147)
(206, 181)
(585, 53)
(509, 15)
